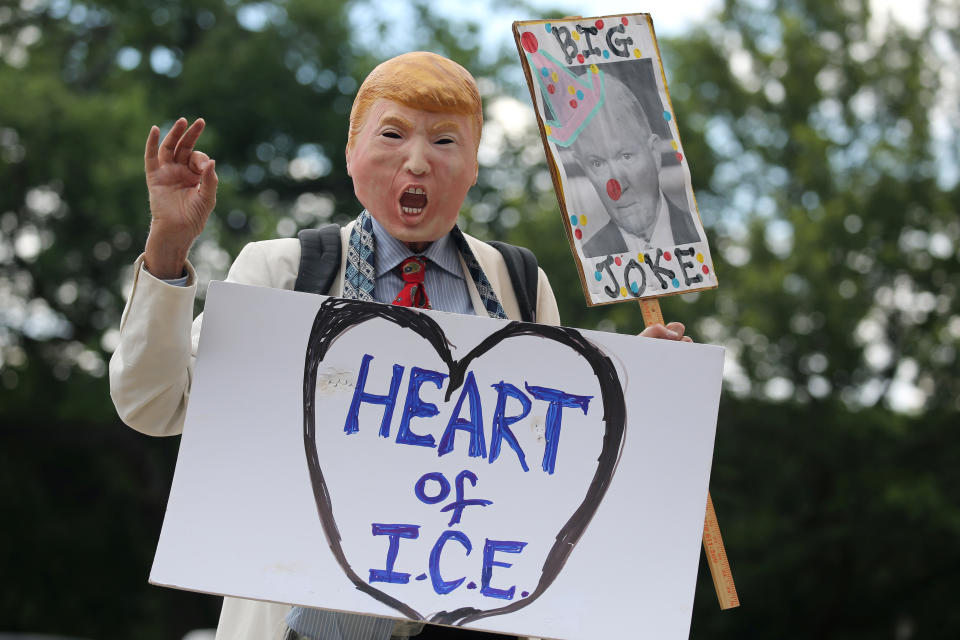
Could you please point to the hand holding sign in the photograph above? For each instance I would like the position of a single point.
(481, 506)
(669, 331)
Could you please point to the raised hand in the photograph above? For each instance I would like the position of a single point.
(182, 184)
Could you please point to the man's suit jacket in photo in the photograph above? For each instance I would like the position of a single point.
(609, 239)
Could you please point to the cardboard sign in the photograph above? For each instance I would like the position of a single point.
(498, 475)
(614, 152)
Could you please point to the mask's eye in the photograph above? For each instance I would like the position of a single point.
(391, 134)
(445, 141)
(627, 156)
(596, 164)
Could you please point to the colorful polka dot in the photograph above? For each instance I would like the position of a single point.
(599, 24)
(524, 594)
(676, 283)
(571, 89)
(547, 128)
(579, 95)
(700, 257)
(594, 69)
(583, 220)
(667, 256)
(624, 21)
(623, 292)
(679, 156)
(576, 35)
(640, 258)
(573, 104)
(551, 89)
(667, 116)
(529, 42)
(545, 72)
(636, 53)
(706, 269)
(614, 190)
(548, 27)
(598, 276)
(635, 287)
(673, 143)
(554, 76)
(573, 220)
(606, 54)
(580, 58)
(578, 233)
(618, 261)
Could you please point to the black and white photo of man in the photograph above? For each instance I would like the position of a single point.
(622, 157)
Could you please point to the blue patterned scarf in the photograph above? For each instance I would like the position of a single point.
(359, 278)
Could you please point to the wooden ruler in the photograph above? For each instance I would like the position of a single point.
(712, 541)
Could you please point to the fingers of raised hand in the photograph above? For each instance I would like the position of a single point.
(198, 162)
(184, 147)
(169, 144)
(208, 184)
(150, 161)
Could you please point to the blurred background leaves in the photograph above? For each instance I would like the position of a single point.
(823, 141)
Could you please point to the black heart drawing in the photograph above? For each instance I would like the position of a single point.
(337, 315)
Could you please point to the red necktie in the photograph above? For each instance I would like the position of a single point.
(413, 295)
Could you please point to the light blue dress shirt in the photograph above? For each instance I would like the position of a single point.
(443, 281)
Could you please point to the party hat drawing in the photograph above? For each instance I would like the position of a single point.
(573, 99)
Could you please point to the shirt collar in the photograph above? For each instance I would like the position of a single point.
(662, 235)
(390, 252)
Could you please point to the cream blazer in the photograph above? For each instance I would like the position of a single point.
(152, 367)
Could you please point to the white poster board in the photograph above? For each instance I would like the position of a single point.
(558, 492)
(613, 148)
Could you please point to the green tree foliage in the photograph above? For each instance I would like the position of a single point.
(823, 141)
(823, 144)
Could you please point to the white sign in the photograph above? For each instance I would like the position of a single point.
(613, 147)
(466, 471)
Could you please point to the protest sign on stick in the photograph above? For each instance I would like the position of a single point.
(614, 151)
(466, 471)
(621, 176)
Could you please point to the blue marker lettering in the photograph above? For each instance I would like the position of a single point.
(440, 585)
(415, 407)
(360, 395)
(558, 400)
(489, 549)
(501, 423)
(458, 506)
(395, 531)
(473, 426)
(420, 488)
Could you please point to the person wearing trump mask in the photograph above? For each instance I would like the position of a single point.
(414, 131)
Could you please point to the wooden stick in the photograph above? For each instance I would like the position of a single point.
(717, 560)
(712, 541)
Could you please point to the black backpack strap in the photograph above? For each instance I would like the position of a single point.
(524, 276)
(319, 259)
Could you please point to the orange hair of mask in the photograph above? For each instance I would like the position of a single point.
(419, 80)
